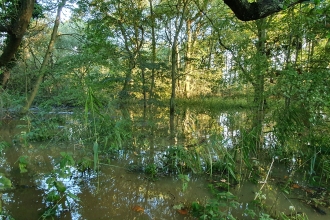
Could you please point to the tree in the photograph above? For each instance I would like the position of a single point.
(16, 16)
(46, 58)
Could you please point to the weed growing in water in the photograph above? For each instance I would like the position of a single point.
(3, 145)
(152, 170)
(22, 163)
(218, 208)
(59, 196)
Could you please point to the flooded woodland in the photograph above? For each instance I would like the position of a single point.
(164, 109)
(204, 169)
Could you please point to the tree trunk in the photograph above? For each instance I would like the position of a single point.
(188, 67)
(259, 84)
(153, 51)
(46, 58)
(174, 57)
(15, 32)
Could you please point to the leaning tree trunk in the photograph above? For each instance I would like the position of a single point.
(46, 58)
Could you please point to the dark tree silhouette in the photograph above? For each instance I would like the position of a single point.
(14, 31)
(247, 11)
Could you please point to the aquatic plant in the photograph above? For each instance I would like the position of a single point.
(218, 208)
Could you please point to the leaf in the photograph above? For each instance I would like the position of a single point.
(60, 186)
(137, 208)
(295, 186)
(23, 159)
(53, 196)
(5, 183)
(50, 180)
(22, 167)
(22, 163)
(73, 196)
(179, 206)
(96, 154)
(183, 211)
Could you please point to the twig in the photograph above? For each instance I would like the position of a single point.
(265, 181)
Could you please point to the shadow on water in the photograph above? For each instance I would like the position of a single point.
(123, 189)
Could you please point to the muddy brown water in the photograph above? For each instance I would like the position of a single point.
(117, 193)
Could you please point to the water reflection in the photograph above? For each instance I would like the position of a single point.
(116, 190)
(229, 133)
(110, 195)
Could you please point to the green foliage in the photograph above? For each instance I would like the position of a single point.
(152, 170)
(23, 162)
(184, 179)
(219, 208)
(85, 164)
(44, 126)
(58, 191)
(5, 183)
(175, 159)
(3, 145)
(96, 155)
(66, 163)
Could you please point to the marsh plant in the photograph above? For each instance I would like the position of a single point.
(218, 208)
(58, 195)
(152, 170)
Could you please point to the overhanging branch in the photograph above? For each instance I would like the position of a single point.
(248, 11)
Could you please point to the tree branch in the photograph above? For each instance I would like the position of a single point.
(248, 11)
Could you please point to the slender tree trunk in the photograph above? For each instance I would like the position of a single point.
(188, 67)
(174, 68)
(259, 84)
(153, 50)
(126, 87)
(174, 57)
(46, 58)
(144, 89)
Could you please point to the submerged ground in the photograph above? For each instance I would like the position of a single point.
(142, 172)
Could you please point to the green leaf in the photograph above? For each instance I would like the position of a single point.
(53, 196)
(5, 183)
(60, 186)
(179, 206)
(50, 180)
(23, 159)
(73, 196)
(96, 154)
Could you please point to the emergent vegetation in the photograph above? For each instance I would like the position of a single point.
(109, 75)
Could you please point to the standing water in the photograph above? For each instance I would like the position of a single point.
(128, 183)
